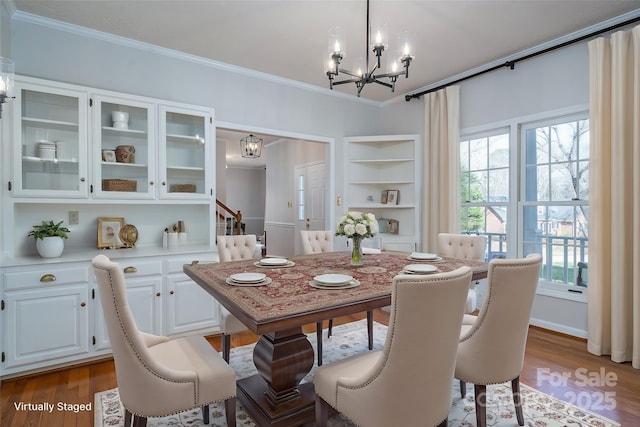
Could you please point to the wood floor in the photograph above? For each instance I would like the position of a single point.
(555, 364)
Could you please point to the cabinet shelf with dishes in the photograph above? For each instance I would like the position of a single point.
(376, 165)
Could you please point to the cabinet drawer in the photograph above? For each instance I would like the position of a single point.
(135, 268)
(44, 276)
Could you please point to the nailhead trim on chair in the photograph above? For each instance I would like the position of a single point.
(480, 320)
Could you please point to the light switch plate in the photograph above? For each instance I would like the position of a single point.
(74, 217)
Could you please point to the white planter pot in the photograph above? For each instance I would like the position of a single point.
(50, 247)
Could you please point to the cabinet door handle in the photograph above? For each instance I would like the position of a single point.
(130, 270)
(82, 179)
(158, 294)
(82, 304)
(48, 278)
(171, 292)
(150, 182)
(164, 183)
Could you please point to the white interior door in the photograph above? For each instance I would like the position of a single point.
(310, 182)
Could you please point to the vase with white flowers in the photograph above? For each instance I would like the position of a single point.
(357, 226)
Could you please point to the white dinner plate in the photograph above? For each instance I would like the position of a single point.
(438, 259)
(350, 284)
(333, 279)
(421, 268)
(248, 277)
(264, 282)
(423, 255)
(274, 261)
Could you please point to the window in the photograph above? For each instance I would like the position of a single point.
(301, 197)
(540, 184)
(555, 207)
(484, 181)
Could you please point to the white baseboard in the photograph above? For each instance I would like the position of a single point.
(557, 327)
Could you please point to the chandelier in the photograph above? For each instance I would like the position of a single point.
(251, 147)
(396, 66)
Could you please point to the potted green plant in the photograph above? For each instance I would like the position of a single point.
(49, 238)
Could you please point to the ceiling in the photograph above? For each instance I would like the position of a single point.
(289, 38)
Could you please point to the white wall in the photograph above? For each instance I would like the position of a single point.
(280, 200)
(246, 193)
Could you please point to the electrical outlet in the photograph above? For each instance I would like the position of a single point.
(74, 217)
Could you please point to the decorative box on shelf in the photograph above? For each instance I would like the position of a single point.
(182, 188)
(119, 185)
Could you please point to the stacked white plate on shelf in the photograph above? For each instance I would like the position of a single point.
(423, 256)
(274, 262)
(248, 279)
(334, 281)
(420, 269)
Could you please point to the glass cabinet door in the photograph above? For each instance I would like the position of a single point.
(185, 137)
(50, 142)
(124, 154)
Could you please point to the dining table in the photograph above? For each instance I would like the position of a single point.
(277, 311)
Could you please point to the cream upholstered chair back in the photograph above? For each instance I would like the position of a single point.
(130, 351)
(462, 246)
(237, 247)
(414, 371)
(157, 376)
(492, 347)
(317, 241)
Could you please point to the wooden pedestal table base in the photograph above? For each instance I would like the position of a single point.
(275, 397)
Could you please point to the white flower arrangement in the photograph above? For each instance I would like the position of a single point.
(357, 225)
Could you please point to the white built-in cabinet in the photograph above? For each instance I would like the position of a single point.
(138, 134)
(45, 315)
(375, 164)
(46, 114)
(172, 145)
(50, 313)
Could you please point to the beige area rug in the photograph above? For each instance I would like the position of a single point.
(539, 409)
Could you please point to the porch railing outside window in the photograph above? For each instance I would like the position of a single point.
(549, 201)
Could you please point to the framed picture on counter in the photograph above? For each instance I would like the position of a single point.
(109, 232)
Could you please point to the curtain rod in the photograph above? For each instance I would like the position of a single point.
(512, 64)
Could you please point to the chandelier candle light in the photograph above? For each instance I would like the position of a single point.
(357, 226)
(397, 66)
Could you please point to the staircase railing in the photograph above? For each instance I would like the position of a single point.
(237, 216)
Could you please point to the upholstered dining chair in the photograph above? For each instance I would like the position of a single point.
(464, 246)
(319, 241)
(492, 345)
(233, 248)
(156, 376)
(414, 370)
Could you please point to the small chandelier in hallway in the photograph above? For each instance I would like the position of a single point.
(251, 147)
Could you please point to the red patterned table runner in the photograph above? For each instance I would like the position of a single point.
(290, 294)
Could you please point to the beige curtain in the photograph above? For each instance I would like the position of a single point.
(614, 202)
(441, 188)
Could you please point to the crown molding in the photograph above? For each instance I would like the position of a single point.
(171, 53)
